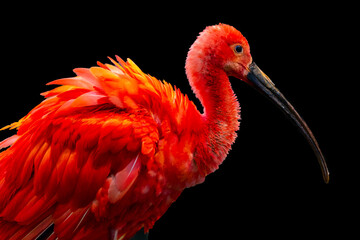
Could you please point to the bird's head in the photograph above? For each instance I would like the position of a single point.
(222, 50)
(220, 47)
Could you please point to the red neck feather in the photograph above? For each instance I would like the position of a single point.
(221, 108)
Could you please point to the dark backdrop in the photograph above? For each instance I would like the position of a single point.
(270, 185)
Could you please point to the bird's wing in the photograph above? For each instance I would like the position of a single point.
(93, 129)
(67, 161)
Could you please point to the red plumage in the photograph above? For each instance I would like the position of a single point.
(109, 150)
(78, 153)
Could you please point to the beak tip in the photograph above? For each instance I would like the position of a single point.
(326, 177)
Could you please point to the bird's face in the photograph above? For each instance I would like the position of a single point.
(237, 57)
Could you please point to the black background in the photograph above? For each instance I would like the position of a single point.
(270, 185)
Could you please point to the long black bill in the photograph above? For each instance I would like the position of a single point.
(264, 85)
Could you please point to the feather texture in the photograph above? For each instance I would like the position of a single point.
(92, 139)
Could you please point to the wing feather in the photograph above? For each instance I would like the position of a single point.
(8, 142)
(86, 75)
(42, 173)
(21, 173)
(78, 82)
(90, 180)
(68, 178)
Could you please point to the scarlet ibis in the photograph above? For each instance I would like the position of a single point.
(109, 150)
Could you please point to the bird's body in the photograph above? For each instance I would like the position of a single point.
(108, 151)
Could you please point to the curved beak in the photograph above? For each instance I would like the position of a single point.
(265, 86)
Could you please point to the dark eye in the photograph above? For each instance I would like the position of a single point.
(238, 49)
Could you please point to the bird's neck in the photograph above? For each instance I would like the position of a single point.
(220, 118)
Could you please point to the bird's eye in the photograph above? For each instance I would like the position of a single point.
(238, 49)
